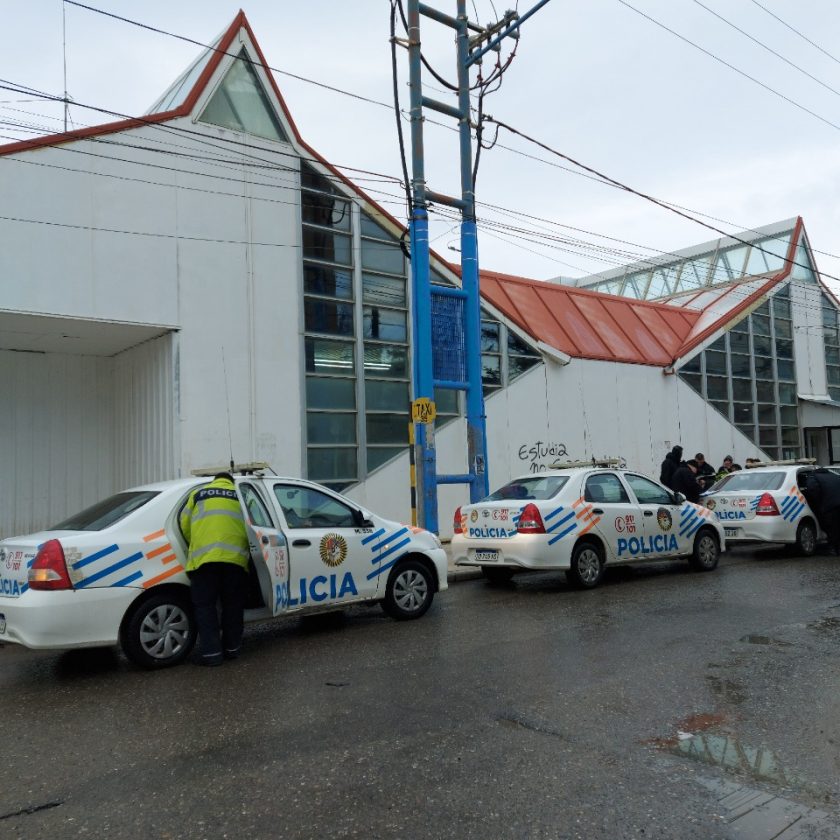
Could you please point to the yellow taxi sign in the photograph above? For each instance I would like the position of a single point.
(423, 410)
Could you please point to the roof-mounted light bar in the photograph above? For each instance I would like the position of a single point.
(593, 462)
(241, 469)
(752, 463)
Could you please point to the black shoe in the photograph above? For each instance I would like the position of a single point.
(232, 654)
(209, 661)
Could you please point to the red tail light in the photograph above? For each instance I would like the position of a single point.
(49, 569)
(530, 521)
(457, 527)
(767, 506)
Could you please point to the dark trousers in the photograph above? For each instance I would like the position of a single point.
(831, 525)
(209, 584)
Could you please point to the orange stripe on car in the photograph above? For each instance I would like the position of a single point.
(590, 526)
(155, 536)
(165, 560)
(162, 550)
(168, 573)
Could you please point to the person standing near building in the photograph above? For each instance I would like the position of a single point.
(217, 566)
(685, 481)
(669, 466)
(705, 471)
(822, 492)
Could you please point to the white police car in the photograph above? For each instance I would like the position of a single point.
(765, 504)
(582, 519)
(115, 572)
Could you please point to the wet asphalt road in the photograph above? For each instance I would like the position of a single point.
(524, 711)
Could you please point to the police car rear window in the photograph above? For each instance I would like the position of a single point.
(106, 513)
(538, 487)
(743, 481)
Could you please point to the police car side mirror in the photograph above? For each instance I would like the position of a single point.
(679, 498)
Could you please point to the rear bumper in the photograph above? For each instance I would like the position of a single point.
(527, 551)
(770, 530)
(66, 619)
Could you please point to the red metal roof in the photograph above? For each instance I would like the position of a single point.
(590, 325)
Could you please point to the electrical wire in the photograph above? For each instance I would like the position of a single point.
(397, 110)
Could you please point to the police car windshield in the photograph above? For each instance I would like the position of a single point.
(741, 481)
(538, 487)
(106, 513)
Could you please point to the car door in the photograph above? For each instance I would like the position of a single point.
(660, 525)
(269, 550)
(329, 563)
(608, 509)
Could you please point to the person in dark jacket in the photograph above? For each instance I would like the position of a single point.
(684, 481)
(705, 471)
(822, 492)
(669, 466)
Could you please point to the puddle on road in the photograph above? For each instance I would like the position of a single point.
(826, 626)
(729, 691)
(764, 640)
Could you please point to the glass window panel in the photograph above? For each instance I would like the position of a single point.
(730, 264)
(385, 324)
(790, 436)
(257, 512)
(785, 369)
(330, 392)
(647, 492)
(764, 309)
(767, 414)
(762, 345)
(310, 179)
(379, 455)
(832, 356)
(326, 316)
(605, 487)
(387, 428)
(491, 370)
(693, 379)
(715, 362)
(716, 388)
(517, 365)
(323, 280)
(330, 427)
(763, 368)
(831, 335)
(787, 393)
(833, 374)
(742, 390)
(241, 104)
(788, 415)
(379, 256)
(741, 365)
(386, 396)
(765, 391)
(834, 393)
(325, 210)
(743, 413)
(742, 327)
(660, 283)
(325, 245)
(768, 437)
(695, 272)
(370, 228)
(324, 356)
(381, 360)
(768, 255)
(784, 349)
(739, 342)
(749, 431)
(720, 344)
(722, 407)
(331, 463)
(829, 313)
(489, 337)
(802, 268)
(446, 401)
(784, 329)
(635, 286)
(307, 507)
(379, 289)
(760, 324)
(692, 365)
(781, 306)
(518, 347)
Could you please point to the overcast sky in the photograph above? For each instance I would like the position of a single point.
(592, 78)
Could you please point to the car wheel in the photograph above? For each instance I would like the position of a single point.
(497, 574)
(706, 552)
(587, 565)
(806, 539)
(409, 591)
(160, 631)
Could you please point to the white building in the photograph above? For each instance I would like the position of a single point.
(200, 282)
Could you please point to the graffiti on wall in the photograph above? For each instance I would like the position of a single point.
(541, 454)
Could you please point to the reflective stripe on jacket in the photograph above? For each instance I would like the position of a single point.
(213, 524)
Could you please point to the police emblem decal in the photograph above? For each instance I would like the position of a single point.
(474, 516)
(663, 518)
(333, 549)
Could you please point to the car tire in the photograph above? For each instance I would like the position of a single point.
(497, 575)
(409, 592)
(806, 538)
(160, 631)
(706, 552)
(587, 567)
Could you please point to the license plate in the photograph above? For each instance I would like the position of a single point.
(730, 532)
(2, 623)
(487, 556)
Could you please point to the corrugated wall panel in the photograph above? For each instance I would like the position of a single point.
(144, 413)
(56, 437)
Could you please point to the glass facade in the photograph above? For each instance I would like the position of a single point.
(831, 337)
(748, 375)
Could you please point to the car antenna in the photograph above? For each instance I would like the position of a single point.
(227, 405)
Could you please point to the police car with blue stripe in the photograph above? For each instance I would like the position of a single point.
(115, 573)
(582, 518)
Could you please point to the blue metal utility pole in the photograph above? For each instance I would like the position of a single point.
(468, 52)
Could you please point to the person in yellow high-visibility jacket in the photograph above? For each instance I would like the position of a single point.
(217, 566)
